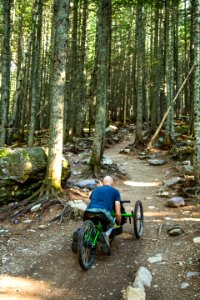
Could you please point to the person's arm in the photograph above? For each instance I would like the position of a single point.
(118, 212)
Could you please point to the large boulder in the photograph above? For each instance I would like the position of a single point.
(22, 171)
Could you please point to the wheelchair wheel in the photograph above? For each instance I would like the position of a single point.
(86, 249)
(138, 219)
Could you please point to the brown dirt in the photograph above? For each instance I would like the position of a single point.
(38, 264)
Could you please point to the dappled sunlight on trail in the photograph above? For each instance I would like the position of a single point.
(157, 216)
(141, 184)
(20, 288)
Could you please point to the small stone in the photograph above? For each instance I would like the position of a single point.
(111, 128)
(155, 259)
(176, 232)
(163, 194)
(126, 150)
(2, 230)
(156, 162)
(42, 226)
(76, 172)
(175, 202)
(106, 161)
(32, 230)
(134, 293)
(28, 221)
(196, 240)
(88, 183)
(35, 208)
(184, 285)
(151, 207)
(192, 274)
(143, 278)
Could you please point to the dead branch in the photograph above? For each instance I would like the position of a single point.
(78, 192)
(149, 146)
(160, 229)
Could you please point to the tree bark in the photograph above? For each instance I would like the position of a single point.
(196, 157)
(139, 72)
(35, 78)
(169, 70)
(81, 99)
(61, 19)
(103, 39)
(5, 93)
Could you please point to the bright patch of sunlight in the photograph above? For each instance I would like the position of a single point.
(159, 217)
(141, 184)
(188, 219)
(158, 214)
(19, 288)
(172, 219)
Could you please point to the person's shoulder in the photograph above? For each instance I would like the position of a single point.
(114, 189)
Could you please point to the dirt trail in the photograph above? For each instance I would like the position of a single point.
(38, 264)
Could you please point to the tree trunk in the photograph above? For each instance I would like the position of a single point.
(102, 83)
(61, 20)
(139, 71)
(196, 162)
(5, 93)
(191, 82)
(169, 70)
(81, 108)
(36, 50)
(72, 101)
(155, 86)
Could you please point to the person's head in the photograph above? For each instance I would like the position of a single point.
(108, 180)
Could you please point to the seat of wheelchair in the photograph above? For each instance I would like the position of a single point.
(96, 217)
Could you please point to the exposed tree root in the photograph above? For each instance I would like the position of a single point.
(21, 203)
(45, 196)
(192, 191)
(65, 212)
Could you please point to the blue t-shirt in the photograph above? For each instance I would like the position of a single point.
(104, 197)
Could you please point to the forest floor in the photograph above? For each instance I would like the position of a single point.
(37, 262)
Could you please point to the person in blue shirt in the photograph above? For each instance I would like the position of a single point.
(105, 199)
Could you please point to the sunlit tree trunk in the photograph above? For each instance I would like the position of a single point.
(5, 93)
(54, 167)
(197, 92)
(102, 83)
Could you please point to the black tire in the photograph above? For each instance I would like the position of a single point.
(86, 250)
(138, 219)
(74, 245)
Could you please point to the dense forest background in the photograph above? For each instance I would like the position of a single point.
(69, 65)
